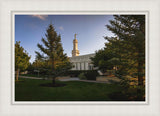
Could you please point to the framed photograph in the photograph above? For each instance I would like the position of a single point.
(85, 53)
(79, 57)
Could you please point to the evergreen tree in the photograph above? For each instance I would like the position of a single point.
(21, 59)
(126, 50)
(56, 62)
(101, 60)
(130, 30)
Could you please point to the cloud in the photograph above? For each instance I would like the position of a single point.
(42, 17)
(61, 28)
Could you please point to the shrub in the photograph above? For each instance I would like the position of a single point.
(91, 75)
(73, 73)
(82, 76)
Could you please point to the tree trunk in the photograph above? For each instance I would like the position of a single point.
(53, 81)
(17, 74)
(53, 67)
(140, 71)
(140, 76)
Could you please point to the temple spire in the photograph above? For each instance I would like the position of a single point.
(75, 36)
(75, 51)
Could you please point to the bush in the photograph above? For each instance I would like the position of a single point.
(91, 75)
(74, 73)
(82, 76)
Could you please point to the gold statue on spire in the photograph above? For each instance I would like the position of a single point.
(75, 35)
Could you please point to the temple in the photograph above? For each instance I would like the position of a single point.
(80, 62)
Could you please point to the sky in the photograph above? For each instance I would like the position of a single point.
(90, 30)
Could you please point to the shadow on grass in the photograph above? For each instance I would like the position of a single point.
(52, 85)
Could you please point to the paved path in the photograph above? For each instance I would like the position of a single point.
(30, 77)
(69, 79)
(94, 81)
(77, 79)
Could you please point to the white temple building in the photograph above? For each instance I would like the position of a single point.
(82, 62)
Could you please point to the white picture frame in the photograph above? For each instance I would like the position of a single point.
(7, 10)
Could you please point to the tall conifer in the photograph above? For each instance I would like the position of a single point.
(52, 53)
(21, 59)
(126, 50)
(130, 30)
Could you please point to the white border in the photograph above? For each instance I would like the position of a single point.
(79, 13)
(152, 109)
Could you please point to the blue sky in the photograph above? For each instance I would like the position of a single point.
(90, 30)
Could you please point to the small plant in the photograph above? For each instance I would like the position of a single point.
(82, 76)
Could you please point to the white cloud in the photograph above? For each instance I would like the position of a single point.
(61, 28)
(42, 17)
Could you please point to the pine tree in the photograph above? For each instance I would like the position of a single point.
(21, 59)
(130, 30)
(126, 50)
(56, 61)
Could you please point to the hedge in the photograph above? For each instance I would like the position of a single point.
(89, 74)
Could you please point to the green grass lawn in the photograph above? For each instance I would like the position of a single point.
(30, 90)
(31, 75)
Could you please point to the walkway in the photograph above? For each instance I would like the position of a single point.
(30, 77)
